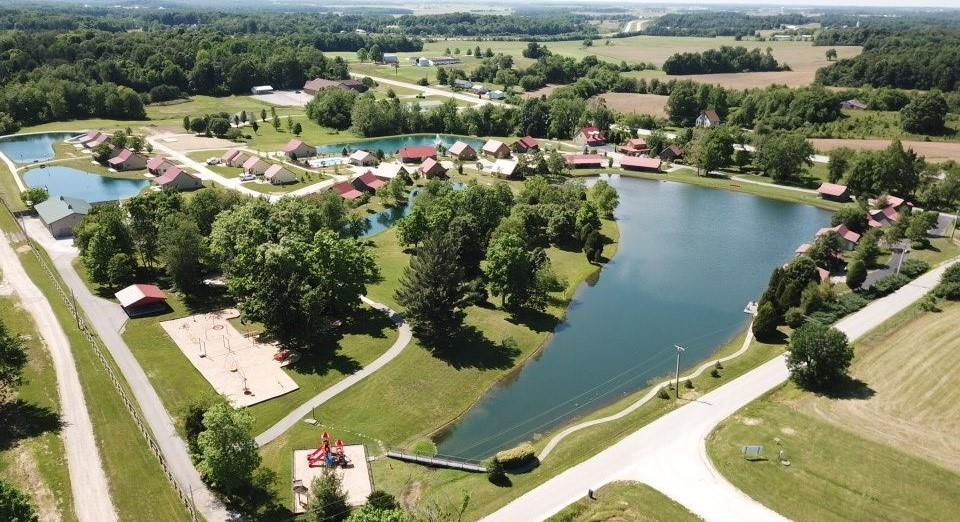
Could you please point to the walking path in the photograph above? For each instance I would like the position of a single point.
(405, 334)
(741, 179)
(670, 455)
(107, 318)
(88, 482)
(13, 171)
(431, 91)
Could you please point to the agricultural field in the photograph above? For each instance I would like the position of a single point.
(866, 452)
(628, 102)
(932, 150)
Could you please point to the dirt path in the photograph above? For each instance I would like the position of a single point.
(88, 482)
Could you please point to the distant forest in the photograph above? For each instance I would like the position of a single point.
(718, 23)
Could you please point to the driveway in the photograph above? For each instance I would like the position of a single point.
(88, 482)
(431, 91)
(670, 453)
(107, 322)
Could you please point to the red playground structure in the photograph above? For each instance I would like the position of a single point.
(327, 456)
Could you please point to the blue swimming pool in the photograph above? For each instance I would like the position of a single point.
(67, 181)
(28, 148)
(391, 144)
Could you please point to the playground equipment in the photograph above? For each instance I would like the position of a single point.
(327, 456)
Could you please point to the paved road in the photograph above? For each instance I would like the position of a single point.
(670, 454)
(405, 334)
(431, 91)
(88, 482)
(107, 318)
(784, 187)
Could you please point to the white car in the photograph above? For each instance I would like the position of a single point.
(213, 161)
(247, 177)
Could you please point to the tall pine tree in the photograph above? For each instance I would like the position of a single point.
(432, 291)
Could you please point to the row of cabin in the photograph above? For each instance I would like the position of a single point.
(886, 215)
(253, 165)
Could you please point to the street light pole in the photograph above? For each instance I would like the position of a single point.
(677, 384)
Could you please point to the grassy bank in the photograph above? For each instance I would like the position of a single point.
(877, 450)
(133, 471)
(624, 501)
(31, 450)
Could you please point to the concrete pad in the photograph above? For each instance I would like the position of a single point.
(239, 367)
(356, 478)
(285, 98)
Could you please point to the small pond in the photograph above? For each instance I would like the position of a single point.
(689, 259)
(67, 181)
(28, 148)
(386, 218)
(391, 144)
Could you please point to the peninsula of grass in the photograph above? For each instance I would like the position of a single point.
(31, 451)
(133, 471)
(633, 501)
(869, 451)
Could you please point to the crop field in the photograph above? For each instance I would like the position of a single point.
(914, 400)
(637, 103)
(932, 150)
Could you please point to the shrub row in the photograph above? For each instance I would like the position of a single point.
(517, 457)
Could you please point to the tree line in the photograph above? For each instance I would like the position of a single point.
(717, 23)
(726, 59)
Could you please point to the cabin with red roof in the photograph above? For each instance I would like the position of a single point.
(296, 149)
(462, 151)
(431, 168)
(141, 299)
(369, 180)
(256, 166)
(346, 190)
(417, 154)
(584, 161)
(362, 158)
(158, 165)
(277, 175)
(495, 149)
(591, 137)
(635, 147)
(640, 163)
(671, 153)
(526, 144)
(127, 159)
(177, 179)
(848, 238)
(834, 192)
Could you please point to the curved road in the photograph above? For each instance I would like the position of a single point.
(405, 334)
(670, 452)
(88, 482)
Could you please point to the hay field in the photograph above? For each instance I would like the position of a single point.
(933, 151)
(915, 405)
(637, 103)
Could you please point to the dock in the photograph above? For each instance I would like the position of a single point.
(439, 461)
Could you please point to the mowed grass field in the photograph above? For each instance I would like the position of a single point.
(628, 102)
(933, 151)
(885, 451)
(624, 501)
(803, 58)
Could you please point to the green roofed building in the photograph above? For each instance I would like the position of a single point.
(61, 214)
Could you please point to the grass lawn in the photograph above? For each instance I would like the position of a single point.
(133, 471)
(9, 190)
(881, 451)
(31, 450)
(624, 501)
(940, 249)
(268, 140)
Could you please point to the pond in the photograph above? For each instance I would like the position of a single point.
(28, 148)
(67, 181)
(386, 218)
(391, 144)
(689, 260)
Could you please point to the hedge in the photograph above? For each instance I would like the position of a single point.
(517, 457)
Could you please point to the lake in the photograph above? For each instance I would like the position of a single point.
(67, 181)
(391, 144)
(28, 148)
(689, 260)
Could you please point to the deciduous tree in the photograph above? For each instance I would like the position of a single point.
(228, 454)
(819, 356)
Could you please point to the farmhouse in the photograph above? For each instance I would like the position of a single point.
(635, 147)
(463, 151)
(526, 144)
(296, 149)
(708, 119)
(62, 214)
(584, 161)
(848, 238)
(853, 104)
(640, 163)
(590, 136)
(127, 159)
(362, 158)
(504, 168)
(496, 149)
(158, 165)
(431, 168)
(141, 299)
(834, 192)
(417, 154)
(177, 179)
(256, 166)
(368, 181)
(261, 89)
(277, 175)
(671, 153)
(347, 191)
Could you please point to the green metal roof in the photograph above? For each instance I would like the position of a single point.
(55, 209)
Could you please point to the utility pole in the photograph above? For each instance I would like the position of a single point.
(677, 384)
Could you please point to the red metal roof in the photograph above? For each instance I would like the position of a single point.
(370, 180)
(140, 295)
(459, 148)
(292, 145)
(529, 142)
(640, 162)
(425, 151)
(583, 159)
(121, 156)
(347, 191)
(156, 162)
(832, 189)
